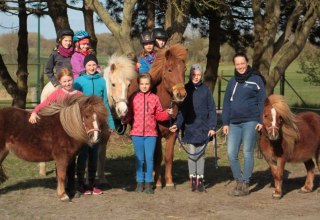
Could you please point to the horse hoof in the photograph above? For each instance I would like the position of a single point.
(65, 198)
(276, 196)
(170, 186)
(304, 190)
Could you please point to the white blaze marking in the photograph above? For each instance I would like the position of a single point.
(96, 128)
(273, 123)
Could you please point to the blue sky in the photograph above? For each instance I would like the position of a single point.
(46, 25)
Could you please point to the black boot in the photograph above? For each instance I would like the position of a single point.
(139, 187)
(148, 188)
(193, 183)
(200, 183)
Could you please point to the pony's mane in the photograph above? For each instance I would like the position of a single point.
(178, 51)
(70, 113)
(290, 131)
(123, 67)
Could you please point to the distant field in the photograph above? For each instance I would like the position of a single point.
(307, 92)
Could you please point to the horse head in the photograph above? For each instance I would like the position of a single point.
(169, 69)
(271, 121)
(118, 76)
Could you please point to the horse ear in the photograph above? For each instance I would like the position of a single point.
(112, 68)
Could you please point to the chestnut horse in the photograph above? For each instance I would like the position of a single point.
(59, 135)
(287, 137)
(168, 78)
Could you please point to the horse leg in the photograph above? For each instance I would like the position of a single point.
(277, 172)
(101, 162)
(169, 159)
(3, 154)
(61, 176)
(317, 156)
(157, 163)
(42, 169)
(308, 185)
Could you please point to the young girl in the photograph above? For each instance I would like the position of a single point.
(144, 110)
(65, 78)
(146, 58)
(161, 37)
(61, 55)
(198, 115)
(81, 41)
(91, 83)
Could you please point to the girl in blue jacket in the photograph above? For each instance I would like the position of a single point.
(91, 83)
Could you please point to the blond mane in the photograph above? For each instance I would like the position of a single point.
(178, 51)
(290, 131)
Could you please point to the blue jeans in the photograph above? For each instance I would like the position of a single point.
(244, 133)
(144, 148)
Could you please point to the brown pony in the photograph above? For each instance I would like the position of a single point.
(168, 77)
(63, 128)
(287, 137)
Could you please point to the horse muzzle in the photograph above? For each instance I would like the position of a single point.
(273, 133)
(93, 136)
(179, 93)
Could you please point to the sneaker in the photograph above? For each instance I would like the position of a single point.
(148, 188)
(88, 190)
(139, 187)
(193, 183)
(96, 191)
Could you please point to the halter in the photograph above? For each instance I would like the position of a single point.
(120, 100)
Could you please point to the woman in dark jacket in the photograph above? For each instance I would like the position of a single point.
(198, 117)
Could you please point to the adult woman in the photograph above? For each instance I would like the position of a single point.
(241, 116)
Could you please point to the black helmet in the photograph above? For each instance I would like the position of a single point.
(146, 37)
(160, 33)
(64, 32)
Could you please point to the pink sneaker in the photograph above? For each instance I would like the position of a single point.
(96, 191)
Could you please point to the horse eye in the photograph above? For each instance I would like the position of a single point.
(113, 85)
(170, 70)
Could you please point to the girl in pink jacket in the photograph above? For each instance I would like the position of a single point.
(144, 110)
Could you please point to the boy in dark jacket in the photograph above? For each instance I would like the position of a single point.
(198, 115)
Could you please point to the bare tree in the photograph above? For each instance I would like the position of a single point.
(274, 51)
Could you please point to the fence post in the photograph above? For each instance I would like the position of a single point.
(219, 90)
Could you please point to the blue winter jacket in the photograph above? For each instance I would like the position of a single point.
(197, 114)
(244, 102)
(94, 85)
(145, 63)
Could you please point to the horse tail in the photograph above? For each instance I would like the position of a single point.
(3, 176)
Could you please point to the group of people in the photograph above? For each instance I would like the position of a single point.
(77, 73)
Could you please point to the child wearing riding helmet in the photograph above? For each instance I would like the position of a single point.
(61, 55)
(91, 83)
(146, 58)
(81, 41)
(161, 38)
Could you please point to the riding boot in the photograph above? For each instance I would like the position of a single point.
(200, 183)
(139, 187)
(148, 188)
(193, 183)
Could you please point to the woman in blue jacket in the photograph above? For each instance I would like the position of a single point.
(242, 110)
(197, 115)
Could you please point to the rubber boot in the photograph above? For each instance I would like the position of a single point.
(193, 183)
(200, 183)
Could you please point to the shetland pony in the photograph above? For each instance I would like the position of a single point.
(168, 79)
(59, 135)
(287, 137)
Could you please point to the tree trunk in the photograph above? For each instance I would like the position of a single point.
(89, 27)
(213, 55)
(58, 13)
(176, 19)
(282, 52)
(150, 15)
(121, 31)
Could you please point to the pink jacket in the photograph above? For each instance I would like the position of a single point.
(144, 110)
(58, 94)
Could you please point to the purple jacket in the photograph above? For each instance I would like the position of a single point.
(77, 64)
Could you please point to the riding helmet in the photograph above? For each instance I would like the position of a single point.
(146, 37)
(79, 35)
(64, 32)
(160, 33)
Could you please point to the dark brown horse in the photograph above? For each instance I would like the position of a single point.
(287, 137)
(168, 78)
(63, 128)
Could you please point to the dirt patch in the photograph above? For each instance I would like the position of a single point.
(34, 197)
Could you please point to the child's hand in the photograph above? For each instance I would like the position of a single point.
(170, 111)
(33, 118)
(173, 128)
